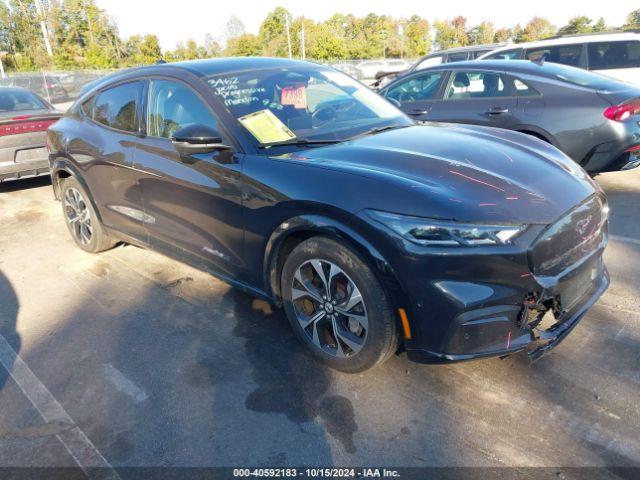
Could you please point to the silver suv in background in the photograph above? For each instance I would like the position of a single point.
(614, 54)
(436, 58)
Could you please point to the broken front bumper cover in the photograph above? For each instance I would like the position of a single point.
(549, 338)
(536, 342)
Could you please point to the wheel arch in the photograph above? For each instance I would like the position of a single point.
(62, 168)
(538, 132)
(295, 230)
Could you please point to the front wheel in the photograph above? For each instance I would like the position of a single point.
(337, 306)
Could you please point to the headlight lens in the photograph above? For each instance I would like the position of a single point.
(425, 231)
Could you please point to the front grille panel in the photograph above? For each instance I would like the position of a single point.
(572, 238)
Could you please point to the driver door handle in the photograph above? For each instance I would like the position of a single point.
(417, 112)
(497, 111)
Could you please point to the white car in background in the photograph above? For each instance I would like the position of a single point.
(614, 54)
(369, 68)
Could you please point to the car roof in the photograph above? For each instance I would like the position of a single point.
(471, 48)
(509, 66)
(201, 68)
(571, 40)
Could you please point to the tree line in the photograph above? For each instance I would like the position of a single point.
(72, 34)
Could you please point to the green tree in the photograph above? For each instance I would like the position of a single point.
(142, 50)
(537, 29)
(272, 33)
(503, 35)
(600, 25)
(633, 20)
(85, 36)
(418, 33)
(246, 45)
(452, 33)
(580, 24)
(24, 36)
(482, 34)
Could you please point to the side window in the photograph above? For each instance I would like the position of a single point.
(117, 107)
(522, 89)
(87, 107)
(429, 62)
(505, 55)
(173, 105)
(605, 55)
(467, 85)
(416, 88)
(564, 54)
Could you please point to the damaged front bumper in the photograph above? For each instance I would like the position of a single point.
(546, 339)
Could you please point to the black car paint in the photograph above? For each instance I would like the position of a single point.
(567, 115)
(248, 207)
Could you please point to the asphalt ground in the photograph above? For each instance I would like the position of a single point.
(130, 359)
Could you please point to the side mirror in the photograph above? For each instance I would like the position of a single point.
(198, 138)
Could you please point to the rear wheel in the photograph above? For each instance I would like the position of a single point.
(337, 306)
(81, 219)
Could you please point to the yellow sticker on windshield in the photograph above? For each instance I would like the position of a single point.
(266, 127)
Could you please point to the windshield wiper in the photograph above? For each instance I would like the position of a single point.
(299, 142)
(377, 130)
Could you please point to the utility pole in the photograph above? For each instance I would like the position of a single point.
(302, 43)
(2, 74)
(43, 25)
(286, 26)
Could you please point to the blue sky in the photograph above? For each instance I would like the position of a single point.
(178, 21)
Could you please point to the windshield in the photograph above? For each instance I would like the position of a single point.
(583, 78)
(286, 105)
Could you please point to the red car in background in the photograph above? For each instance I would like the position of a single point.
(24, 119)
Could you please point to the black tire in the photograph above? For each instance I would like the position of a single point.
(98, 240)
(380, 339)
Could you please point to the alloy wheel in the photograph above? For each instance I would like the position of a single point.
(330, 308)
(78, 216)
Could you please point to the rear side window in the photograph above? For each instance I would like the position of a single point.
(563, 54)
(608, 55)
(173, 106)
(416, 88)
(522, 89)
(117, 107)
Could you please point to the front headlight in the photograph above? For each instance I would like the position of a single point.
(425, 231)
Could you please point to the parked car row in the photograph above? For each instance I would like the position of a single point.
(587, 116)
(298, 184)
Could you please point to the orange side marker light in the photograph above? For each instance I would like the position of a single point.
(405, 323)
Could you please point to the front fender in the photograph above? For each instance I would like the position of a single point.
(312, 225)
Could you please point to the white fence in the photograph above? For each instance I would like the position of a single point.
(61, 87)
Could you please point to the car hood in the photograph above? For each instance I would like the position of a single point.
(463, 173)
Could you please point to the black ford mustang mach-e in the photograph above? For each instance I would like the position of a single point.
(299, 185)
